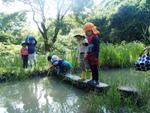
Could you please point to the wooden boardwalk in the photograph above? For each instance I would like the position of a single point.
(128, 91)
(101, 87)
(76, 81)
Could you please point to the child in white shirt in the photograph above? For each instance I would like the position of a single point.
(81, 54)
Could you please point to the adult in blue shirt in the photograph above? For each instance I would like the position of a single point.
(31, 43)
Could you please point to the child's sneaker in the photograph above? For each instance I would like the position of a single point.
(93, 82)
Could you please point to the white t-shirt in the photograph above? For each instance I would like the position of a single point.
(82, 49)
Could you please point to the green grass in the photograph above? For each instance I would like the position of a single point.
(112, 101)
(9, 49)
(109, 102)
(72, 58)
(113, 55)
(120, 55)
(11, 68)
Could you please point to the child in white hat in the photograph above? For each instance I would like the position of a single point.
(81, 54)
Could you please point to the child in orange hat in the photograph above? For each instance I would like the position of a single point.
(93, 51)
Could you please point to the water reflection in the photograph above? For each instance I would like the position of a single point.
(39, 96)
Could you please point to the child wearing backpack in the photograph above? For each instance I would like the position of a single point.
(81, 54)
(24, 54)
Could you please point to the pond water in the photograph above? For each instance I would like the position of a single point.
(44, 95)
(124, 77)
(49, 95)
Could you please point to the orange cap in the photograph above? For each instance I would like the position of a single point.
(91, 26)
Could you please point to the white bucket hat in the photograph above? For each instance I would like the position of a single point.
(55, 59)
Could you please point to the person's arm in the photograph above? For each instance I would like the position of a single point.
(26, 40)
(51, 66)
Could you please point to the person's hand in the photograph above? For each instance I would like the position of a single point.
(51, 67)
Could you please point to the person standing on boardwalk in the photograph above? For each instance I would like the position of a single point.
(93, 51)
(81, 54)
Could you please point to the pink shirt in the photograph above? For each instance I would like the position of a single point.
(24, 51)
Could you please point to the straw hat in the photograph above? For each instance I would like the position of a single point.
(79, 36)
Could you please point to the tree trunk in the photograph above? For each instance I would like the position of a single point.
(45, 37)
(46, 46)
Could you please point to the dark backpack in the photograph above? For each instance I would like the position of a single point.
(143, 62)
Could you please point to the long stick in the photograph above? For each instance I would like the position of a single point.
(49, 70)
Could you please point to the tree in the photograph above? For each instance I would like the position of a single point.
(79, 8)
(43, 19)
(11, 26)
(12, 23)
(129, 22)
(122, 20)
(39, 9)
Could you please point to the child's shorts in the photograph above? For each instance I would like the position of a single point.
(32, 57)
(91, 59)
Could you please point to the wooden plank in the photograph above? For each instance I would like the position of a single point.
(132, 93)
(128, 89)
(125, 91)
(99, 85)
(73, 77)
(76, 80)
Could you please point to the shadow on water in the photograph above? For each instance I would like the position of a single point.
(44, 95)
